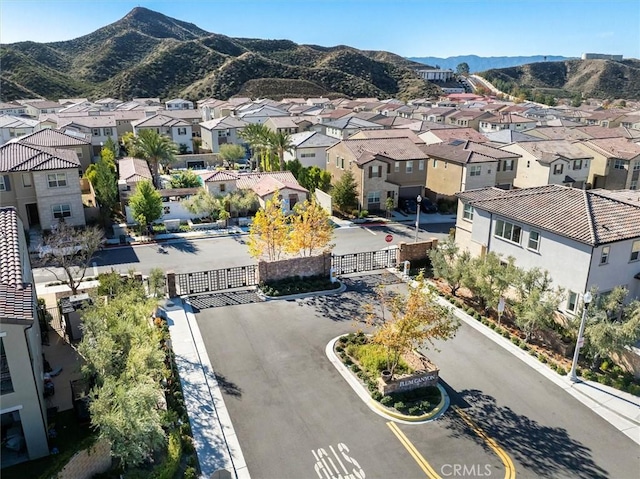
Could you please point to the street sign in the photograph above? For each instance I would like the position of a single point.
(581, 343)
(388, 238)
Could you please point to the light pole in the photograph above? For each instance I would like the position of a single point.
(586, 299)
(418, 200)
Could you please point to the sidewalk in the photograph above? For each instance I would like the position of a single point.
(215, 440)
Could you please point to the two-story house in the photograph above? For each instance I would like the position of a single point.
(558, 162)
(98, 128)
(42, 183)
(506, 121)
(179, 131)
(445, 135)
(35, 108)
(23, 408)
(309, 148)
(382, 168)
(178, 104)
(14, 127)
(615, 165)
(344, 127)
(57, 139)
(460, 165)
(221, 131)
(15, 109)
(584, 238)
(468, 118)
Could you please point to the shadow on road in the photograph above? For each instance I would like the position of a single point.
(228, 387)
(110, 257)
(182, 246)
(546, 451)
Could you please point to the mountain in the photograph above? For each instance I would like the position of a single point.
(479, 64)
(147, 54)
(590, 78)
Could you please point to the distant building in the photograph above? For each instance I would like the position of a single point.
(435, 75)
(601, 56)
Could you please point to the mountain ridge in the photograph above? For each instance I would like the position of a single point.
(478, 63)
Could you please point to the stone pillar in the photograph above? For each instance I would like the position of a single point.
(434, 243)
(171, 284)
(263, 273)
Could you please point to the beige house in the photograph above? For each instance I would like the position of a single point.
(552, 162)
(615, 165)
(12, 127)
(131, 171)
(23, 409)
(460, 165)
(468, 118)
(42, 183)
(382, 168)
(178, 131)
(221, 131)
(221, 182)
(57, 139)
(98, 128)
(444, 135)
(506, 121)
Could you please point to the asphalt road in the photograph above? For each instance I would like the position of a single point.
(183, 256)
(289, 405)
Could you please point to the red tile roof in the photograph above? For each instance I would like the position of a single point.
(20, 157)
(16, 296)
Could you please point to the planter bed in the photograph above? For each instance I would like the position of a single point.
(298, 285)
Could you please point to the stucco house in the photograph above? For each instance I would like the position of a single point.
(616, 163)
(14, 109)
(382, 168)
(14, 127)
(558, 162)
(98, 128)
(23, 408)
(309, 147)
(178, 104)
(506, 121)
(50, 138)
(179, 131)
(131, 171)
(42, 183)
(584, 238)
(344, 127)
(221, 131)
(460, 165)
(444, 135)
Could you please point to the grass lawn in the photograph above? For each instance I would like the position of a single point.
(71, 437)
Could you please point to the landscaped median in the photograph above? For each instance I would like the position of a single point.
(401, 398)
(299, 287)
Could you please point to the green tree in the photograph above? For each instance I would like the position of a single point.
(269, 230)
(281, 144)
(612, 324)
(462, 69)
(146, 203)
(242, 201)
(295, 167)
(185, 179)
(157, 149)
(128, 142)
(311, 229)
(450, 264)
(157, 282)
(576, 100)
(112, 146)
(106, 189)
(389, 204)
(312, 178)
(413, 321)
(489, 277)
(204, 203)
(70, 250)
(258, 137)
(344, 192)
(231, 153)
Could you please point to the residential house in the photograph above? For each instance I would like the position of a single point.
(387, 134)
(558, 162)
(600, 132)
(615, 165)
(15, 109)
(504, 137)
(460, 165)
(178, 104)
(50, 138)
(506, 121)
(434, 115)
(23, 407)
(124, 118)
(630, 122)
(309, 147)
(283, 124)
(606, 118)
(382, 168)
(585, 239)
(344, 127)
(97, 128)
(444, 135)
(436, 74)
(221, 131)
(42, 183)
(14, 127)
(558, 133)
(323, 102)
(220, 182)
(35, 108)
(131, 171)
(179, 131)
(260, 114)
(108, 103)
(468, 118)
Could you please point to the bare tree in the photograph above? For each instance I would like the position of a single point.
(71, 250)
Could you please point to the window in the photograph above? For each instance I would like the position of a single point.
(467, 212)
(26, 180)
(636, 166)
(577, 164)
(57, 180)
(635, 251)
(337, 162)
(61, 211)
(342, 163)
(534, 240)
(78, 152)
(6, 385)
(396, 167)
(633, 185)
(619, 165)
(409, 167)
(421, 165)
(108, 132)
(476, 170)
(375, 171)
(3, 185)
(95, 131)
(307, 155)
(508, 165)
(604, 256)
(558, 169)
(572, 301)
(223, 187)
(508, 231)
(182, 131)
(528, 163)
(373, 197)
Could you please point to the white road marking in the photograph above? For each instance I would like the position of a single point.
(372, 232)
(325, 472)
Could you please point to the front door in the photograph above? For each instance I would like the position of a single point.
(32, 214)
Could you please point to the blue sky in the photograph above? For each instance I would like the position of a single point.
(407, 27)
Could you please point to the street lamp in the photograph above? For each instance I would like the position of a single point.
(418, 200)
(586, 299)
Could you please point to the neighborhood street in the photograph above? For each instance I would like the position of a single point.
(290, 407)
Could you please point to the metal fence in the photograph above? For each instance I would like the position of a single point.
(217, 279)
(364, 261)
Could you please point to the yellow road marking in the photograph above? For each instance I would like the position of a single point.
(422, 462)
(509, 467)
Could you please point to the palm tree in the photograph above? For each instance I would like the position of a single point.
(281, 142)
(256, 134)
(155, 148)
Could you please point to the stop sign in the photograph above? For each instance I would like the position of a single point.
(388, 238)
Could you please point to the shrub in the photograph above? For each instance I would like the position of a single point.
(515, 340)
(339, 348)
(470, 311)
(542, 358)
(492, 326)
(190, 473)
(506, 333)
(633, 389)
(400, 406)
(376, 395)
(373, 358)
(414, 410)
(605, 365)
(355, 368)
(345, 339)
(425, 405)
(386, 401)
(477, 315)
(168, 469)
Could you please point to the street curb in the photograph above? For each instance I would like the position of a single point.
(364, 395)
(440, 409)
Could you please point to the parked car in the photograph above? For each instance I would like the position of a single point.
(427, 206)
(408, 206)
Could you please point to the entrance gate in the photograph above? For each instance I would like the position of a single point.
(364, 261)
(217, 279)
